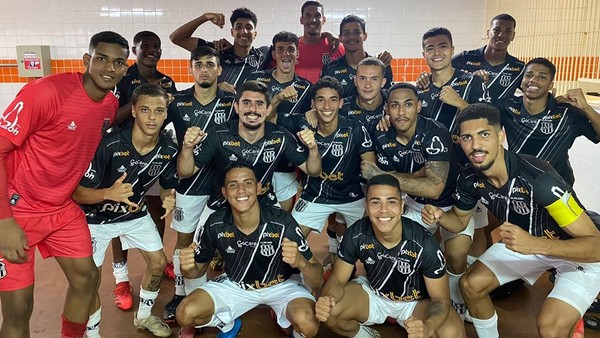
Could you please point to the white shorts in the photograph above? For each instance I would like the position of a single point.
(203, 218)
(187, 213)
(380, 308)
(285, 185)
(139, 233)
(154, 189)
(314, 215)
(231, 301)
(577, 284)
(413, 211)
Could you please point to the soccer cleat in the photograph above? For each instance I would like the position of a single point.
(595, 307)
(579, 329)
(170, 308)
(152, 324)
(237, 326)
(187, 332)
(123, 296)
(169, 271)
(591, 322)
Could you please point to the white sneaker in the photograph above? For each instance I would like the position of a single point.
(152, 324)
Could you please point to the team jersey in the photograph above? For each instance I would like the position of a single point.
(339, 181)
(236, 69)
(186, 111)
(505, 78)
(224, 145)
(252, 261)
(133, 79)
(344, 73)
(431, 142)
(116, 156)
(56, 128)
(312, 58)
(368, 118)
(396, 273)
(287, 107)
(548, 135)
(540, 201)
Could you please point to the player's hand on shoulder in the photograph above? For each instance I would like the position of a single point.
(323, 308)
(384, 124)
(416, 328)
(13, 242)
(221, 45)
(187, 257)
(431, 214)
(227, 87)
(193, 136)
(385, 57)
(423, 80)
(311, 118)
(483, 74)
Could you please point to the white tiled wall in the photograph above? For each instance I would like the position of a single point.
(393, 25)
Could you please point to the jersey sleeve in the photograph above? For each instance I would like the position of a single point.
(557, 197)
(361, 134)
(206, 247)
(437, 144)
(294, 233)
(389, 77)
(434, 262)
(458, 61)
(202, 42)
(585, 128)
(348, 248)
(168, 178)
(31, 110)
(466, 191)
(100, 164)
(294, 151)
(254, 75)
(206, 150)
(478, 91)
(178, 124)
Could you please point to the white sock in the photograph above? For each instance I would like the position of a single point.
(333, 244)
(471, 259)
(193, 284)
(226, 327)
(179, 286)
(147, 300)
(297, 334)
(486, 328)
(92, 329)
(120, 272)
(456, 295)
(365, 332)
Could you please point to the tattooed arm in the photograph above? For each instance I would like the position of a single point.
(437, 309)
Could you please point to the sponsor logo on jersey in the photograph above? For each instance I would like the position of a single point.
(395, 158)
(382, 159)
(478, 185)
(514, 69)
(265, 80)
(133, 163)
(514, 110)
(72, 126)
(337, 149)
(252, 152)
(343, 82)
(163, 156)
(251, 244)
(460, 83)
(121, 153)
(520, 190)
(230, 250)
(340, 71)
(418, 157)
(270, 235)
(495, 196)
(267, 249)
(520, 207)
(547, 128)
(473, 63)
(436, 147)
(367, 246)
(403, 267)
(339, 176)
(122, 169)
(388, 145)
(272, 142)
(252, 60)
(269, 156)
(232, 144)
(409, 253)
(136, 81)
(233, 158)
(120, 208)
(355, 112)
(184, 104)
(261, 285)
(225, 234)
(220, 118)
(369, 261)
(154, 170)
(186, 118)
(505, 80)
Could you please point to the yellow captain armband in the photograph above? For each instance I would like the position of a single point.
(565, 210)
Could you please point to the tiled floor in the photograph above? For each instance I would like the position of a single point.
(517, 313)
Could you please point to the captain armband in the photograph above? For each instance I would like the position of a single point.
(565, 210)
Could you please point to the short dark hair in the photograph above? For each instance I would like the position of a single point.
(404, 85)
(478, 111)
(254, 86)
(203, 51)
(284, 36)
(353, 18)
(384, 179)
(435, 32)
(243, 13)
(108, 37)
(372, 61)
(504, 17)
(543, 62)
(148, 89)
(239, 165)
(310, 3)
(327, 82)
(144, 34)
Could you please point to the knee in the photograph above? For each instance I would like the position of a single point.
(456, 262)
(85, 279)
(184, 314)
(471, 287)
(157, 264)
(551, 327)
(191, 312)
(305, 322)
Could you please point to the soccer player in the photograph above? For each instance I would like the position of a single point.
(241, 59)
(203, 105)
(147, 50)
(315, 49)
(343, 145)
(52, 121)
(126, 165)
(405, 277)
(263, 247)
(353, 34)
(538, 125)
(543, 226)
(289, 95)
(249, 139)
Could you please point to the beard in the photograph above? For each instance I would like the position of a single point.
(205, 84)
(252, 126)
